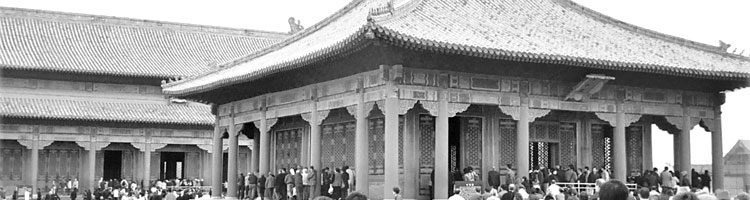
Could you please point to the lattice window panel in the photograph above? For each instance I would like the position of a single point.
(597, 145)
(634, 149)
(552, 131)
(400, 141)
(538, 154)
(608, 153)
(376, 144)
(426, 141)
(472, 130)
(568, 138)
(288, 148)
(540, 131)
(338, 145)
(508, 141)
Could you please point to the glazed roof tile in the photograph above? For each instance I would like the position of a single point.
(547, 31)
(160, 112)
(66, 42)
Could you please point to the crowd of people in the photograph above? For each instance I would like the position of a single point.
(112, 189)
(296, 183)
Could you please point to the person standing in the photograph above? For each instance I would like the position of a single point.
(270, 184)
(510, 175)
(312, 179)
(289, 181)
(666, 180)
(240, 186)
(280, 186)
(73, 193)
(261, 186)
(252, 185)
(326, 182)
(706, 180)
(298, 185)
(493, 178)
(345, 182)
(337, 184)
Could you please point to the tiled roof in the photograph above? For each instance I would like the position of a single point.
(55, 41)
(545, 31)
(85, 109)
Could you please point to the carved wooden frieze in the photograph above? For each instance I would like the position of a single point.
(515, 112)
(404, 105)
(611, 118)
(289, 96)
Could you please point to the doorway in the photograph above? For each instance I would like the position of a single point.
(172, 165)
(543, 154)
(454, 144)
(112, 165)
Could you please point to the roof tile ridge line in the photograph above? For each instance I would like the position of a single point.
(637, 29)
(79, 71)
(49, 15)
(297, 36)
(399, 11)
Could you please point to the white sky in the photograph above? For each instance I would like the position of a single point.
(702, 21)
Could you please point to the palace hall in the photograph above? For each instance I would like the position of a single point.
(81, 97)
(406, 92)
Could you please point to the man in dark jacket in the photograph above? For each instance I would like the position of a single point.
(298, 186)
(493, 178)
(280, 185)
(252, 185)
(241, 186)
(593, 176)
(262, 186)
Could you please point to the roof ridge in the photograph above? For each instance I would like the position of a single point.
(295, 37)
(71, 17)
(644, 31)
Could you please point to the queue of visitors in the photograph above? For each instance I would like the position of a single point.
(296, 183)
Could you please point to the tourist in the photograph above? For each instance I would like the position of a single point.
(241, 186)
(397, 193)
(251, 180)
(305, 184)
(312, 179)
(345, 182)
(356, 196)
(510, 174)
(584, 176)
(289, 181)
(337, 184)
(684, 180)
(351, 179)
(685, 195)
(326, 182)
(613, 190)
(299, 184)
(706, 180)
(666, 180)
(279, 185)
(510, 195)
(73, 193)
(261, 186)
(270, 181)
(644, 193)
(493, 178)
(456, 195)
(604, 173)
(502, 190)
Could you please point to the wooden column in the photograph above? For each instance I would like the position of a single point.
(216, 159)
(618, 144)
(522, 138)
(232, 160)
(362, 155)
(34, 169)
(441, 148)
(411, 158)
(256, 152)
(687, 125)
(265, 144)
(648, 161)
(315, 147)
(391, 141)
(676, 150)
(147, 162)
(717, 153)
(91, 177)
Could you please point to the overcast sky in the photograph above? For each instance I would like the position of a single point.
(702, 21)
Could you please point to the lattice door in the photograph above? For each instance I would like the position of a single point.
(337, 145)
(472, 141)
(634, 137)
(376, 132)
(568, 138)
(288, 148)
(597, 145)
(539, 154)
(508, 141)
(426, 142)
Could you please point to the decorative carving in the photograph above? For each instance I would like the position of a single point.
(709, 124)
(206, 147)
(270, 123)
(26, 143)
(537, 113)
(86, 145)
(100, 145)
(431, 107)
(155, 146)
(404, 105)
(352, 110)
(139, 146)
(455, 108)
(611, 118)
(295, 26)
(512, 111)
(676, 121)
(307, 117)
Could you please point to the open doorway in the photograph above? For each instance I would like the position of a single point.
(112, 165)
(172, 165)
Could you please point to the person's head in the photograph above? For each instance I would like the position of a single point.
(456, 192)
(504, 187)
(312, 167)
(322, 198)
(613, 190)
(643, 193)
(396, 191)
(356, 196)
(509, 166)
(512, 188)
(666, 168)
(685, 196)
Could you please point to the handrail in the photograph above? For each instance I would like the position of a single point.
(589, 187)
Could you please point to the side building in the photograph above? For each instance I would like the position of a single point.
(80, 97)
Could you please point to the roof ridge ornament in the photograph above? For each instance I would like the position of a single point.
(295, 26)
(724, 47)
(381, 11)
